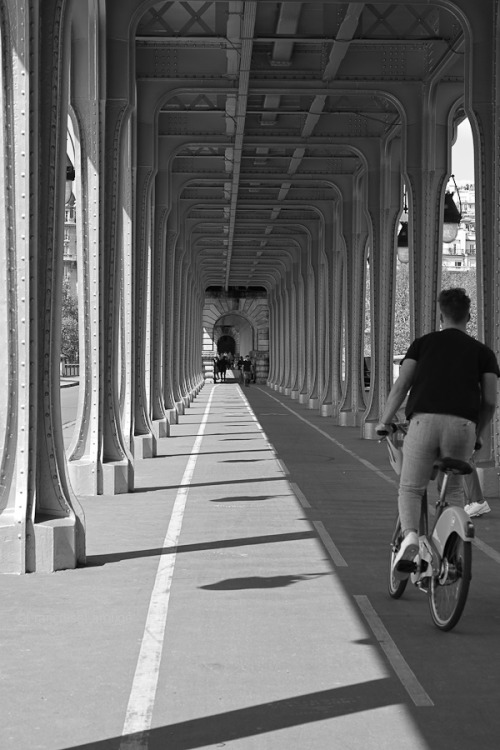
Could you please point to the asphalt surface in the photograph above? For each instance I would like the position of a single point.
(237, 598)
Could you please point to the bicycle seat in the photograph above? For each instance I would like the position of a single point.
(453, 466)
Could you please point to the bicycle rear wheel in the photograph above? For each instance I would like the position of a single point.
(396, 586)
(448, 590)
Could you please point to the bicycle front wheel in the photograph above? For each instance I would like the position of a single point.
(448, 590)
(396, 586)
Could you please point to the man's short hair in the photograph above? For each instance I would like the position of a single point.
(454, 304)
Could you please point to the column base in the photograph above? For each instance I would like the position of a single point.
(326, 410)
(313, 403)
(117, 477)
(303, 398)
(83, 476)
(12, 553)
(294, 395)
(350, 418)
(143, 446)
(161, 428)
(55, 547)
(172, 417)
(368, 431)
(179, 407)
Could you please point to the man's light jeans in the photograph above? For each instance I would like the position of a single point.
(431, 436)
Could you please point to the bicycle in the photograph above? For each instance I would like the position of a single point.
(442, 568)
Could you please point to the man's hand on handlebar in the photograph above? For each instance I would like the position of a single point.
(384, 429)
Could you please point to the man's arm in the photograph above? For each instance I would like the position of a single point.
(488, 402)
(398, 393)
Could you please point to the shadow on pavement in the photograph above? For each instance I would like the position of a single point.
(98, 560)
(259, 582)
(260, 719)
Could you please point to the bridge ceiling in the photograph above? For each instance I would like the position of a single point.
(264, 109)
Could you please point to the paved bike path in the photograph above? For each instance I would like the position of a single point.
(267, 553)
(458, 670)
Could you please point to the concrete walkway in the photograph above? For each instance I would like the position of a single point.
(238, 599)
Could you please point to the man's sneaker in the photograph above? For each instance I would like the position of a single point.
(403, 562)
(477, 509)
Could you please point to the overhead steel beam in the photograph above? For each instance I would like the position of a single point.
(245, 47)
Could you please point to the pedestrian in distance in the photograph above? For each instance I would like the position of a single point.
(451, 379)
(222, 368)
(247, 370)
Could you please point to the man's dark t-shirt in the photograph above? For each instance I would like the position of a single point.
(447, 380)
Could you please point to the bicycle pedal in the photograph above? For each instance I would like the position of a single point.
(406, 566)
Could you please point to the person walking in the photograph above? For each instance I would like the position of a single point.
(452, 383)
(222, 368)
(247, 370)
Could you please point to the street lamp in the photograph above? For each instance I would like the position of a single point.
(403, 245)
(451, 221)
(452, 215)
(70, 178)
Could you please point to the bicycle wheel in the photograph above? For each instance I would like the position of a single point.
(448, 590)
(396, 586)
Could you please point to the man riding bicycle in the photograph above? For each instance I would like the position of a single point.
(452, 383)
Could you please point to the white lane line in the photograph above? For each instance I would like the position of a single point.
(363, 461)
(486, 549)
(404, 673)
(329, 545)
(141, 702)
(282, 466)
(300, 495)
(294, 487)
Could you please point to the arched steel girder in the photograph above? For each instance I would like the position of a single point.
(292, 250)
(336, 149)
(314, 214)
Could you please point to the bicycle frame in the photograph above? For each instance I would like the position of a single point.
(454, 520)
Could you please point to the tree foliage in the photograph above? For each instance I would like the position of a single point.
(70, 350)
(464, 279)
(449, 279)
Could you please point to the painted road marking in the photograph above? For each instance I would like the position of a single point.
(323, 534)
(404, 673)
(329, 544)
(300, 495)
(141, 702)
(363, 461)
(283, 467)
(486, 549)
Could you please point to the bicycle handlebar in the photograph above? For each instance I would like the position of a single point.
(384, 433)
